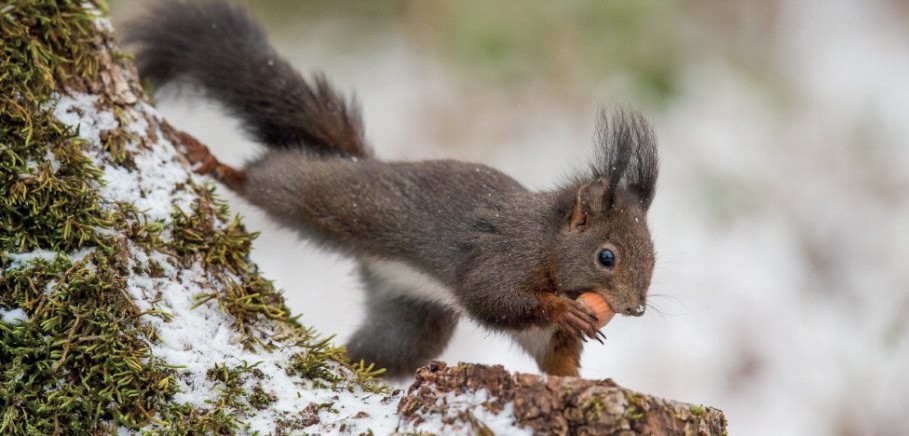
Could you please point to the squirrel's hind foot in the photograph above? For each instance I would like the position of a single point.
(204, 162)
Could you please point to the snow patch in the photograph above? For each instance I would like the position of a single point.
(150, 185)
(18, 260)
(502, 423)
(12, 316)
(52, 160)
(24, 260)
(79, 111)
(198, 338)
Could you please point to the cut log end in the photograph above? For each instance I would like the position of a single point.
(555, 405)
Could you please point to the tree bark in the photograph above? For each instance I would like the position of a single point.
(553, 405)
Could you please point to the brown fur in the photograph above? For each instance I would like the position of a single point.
(563, 355)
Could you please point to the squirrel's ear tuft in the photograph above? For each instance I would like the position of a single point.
(626, 154)
(589, 201)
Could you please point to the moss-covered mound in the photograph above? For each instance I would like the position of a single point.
(108, 243)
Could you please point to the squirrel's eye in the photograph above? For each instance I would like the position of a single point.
(607, 258)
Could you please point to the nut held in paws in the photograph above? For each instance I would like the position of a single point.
(599, 306)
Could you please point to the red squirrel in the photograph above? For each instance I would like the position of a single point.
(435, 240)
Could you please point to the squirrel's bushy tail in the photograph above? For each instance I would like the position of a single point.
(217, 46)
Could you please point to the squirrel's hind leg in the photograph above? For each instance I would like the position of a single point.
(401, 333)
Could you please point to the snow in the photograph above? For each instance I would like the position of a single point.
(79, 111)
(502, 423)
(149, 187)
(20, 259)
(12, 316)
(199, 338)
(51, 158)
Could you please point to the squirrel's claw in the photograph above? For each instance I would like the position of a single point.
(576, 319)
(600, 337)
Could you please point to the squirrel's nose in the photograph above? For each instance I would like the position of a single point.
(636, 310)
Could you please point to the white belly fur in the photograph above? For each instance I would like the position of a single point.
(535, 341)
(400, 279)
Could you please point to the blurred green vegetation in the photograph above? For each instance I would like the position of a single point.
(583, 40)
(578, 43)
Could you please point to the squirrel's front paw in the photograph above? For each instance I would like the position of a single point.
(573, 318)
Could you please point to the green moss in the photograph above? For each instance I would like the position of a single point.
(224, 413)
(697, 410)
(82, 358)
(42, 44)
(259, 399)
(635, 410)
(314, 363)
(592, 409)
(114, 142)
(634, 413)
(198, 235)
(81, 362)
(183, 419)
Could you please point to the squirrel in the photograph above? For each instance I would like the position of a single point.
(435, 240)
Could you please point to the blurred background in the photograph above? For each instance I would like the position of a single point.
(781, 219)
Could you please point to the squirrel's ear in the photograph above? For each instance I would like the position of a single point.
(627, 154)
(590, 200)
